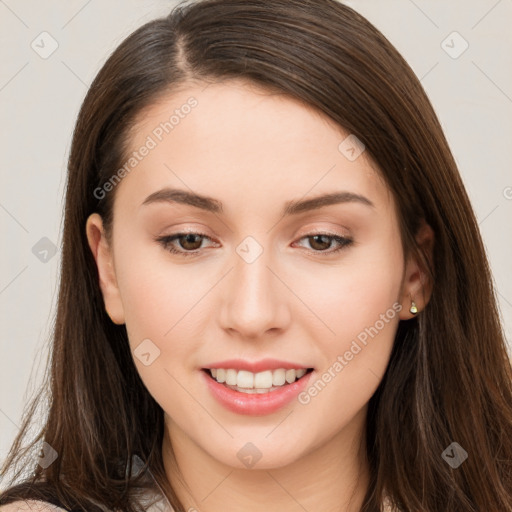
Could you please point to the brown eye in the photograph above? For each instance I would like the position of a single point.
(320, 242)
(190, 241)
(185, 244)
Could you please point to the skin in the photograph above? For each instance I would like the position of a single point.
(255, 151)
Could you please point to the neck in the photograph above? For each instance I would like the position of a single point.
(333, 477)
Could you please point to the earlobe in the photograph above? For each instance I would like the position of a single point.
(417, 282)
(103, 256)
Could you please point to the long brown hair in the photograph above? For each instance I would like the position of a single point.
(449, 378)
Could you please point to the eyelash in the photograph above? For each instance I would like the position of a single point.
(167, 240)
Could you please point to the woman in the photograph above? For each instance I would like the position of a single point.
(274, 294)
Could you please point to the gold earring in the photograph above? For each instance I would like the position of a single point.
(413, 309)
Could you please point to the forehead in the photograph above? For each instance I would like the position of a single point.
(240, 142)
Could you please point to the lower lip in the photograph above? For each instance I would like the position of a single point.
(255, 404)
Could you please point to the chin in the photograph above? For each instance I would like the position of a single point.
(259, 453)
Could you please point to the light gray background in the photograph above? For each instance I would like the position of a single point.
(40, 98)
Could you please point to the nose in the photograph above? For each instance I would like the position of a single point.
(255, 301)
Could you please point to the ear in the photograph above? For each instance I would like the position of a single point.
(417, 283)
(104, 261)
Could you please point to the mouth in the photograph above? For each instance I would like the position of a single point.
(263, 382)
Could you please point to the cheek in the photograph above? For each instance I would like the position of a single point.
(355, 294)
(360, 304)
(160, 302)
(354, 360)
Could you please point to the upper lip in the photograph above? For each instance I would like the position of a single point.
(256, 366)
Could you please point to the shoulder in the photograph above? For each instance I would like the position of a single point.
(30, 506)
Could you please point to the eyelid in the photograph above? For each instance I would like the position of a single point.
(315, 230)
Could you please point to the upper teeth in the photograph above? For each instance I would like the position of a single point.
(261, 380)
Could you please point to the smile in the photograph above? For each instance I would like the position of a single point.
(255, 388)
(262, 382)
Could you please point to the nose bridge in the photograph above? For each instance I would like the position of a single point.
(254, 300)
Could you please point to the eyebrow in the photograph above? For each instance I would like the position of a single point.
(209, 204)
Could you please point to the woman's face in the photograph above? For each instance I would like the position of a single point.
(269, 278)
